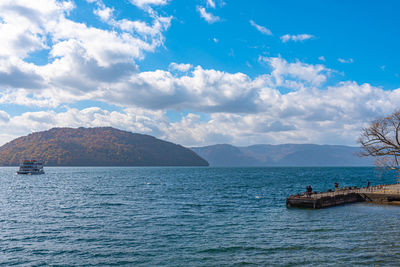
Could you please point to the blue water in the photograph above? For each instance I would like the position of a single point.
(190, 217)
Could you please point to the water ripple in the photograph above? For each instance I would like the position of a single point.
(190, 217)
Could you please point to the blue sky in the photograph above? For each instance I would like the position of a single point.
(365, 31)
(200, 72)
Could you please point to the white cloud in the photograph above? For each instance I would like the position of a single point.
(322, 58)
(160, 24)
(83, 59)
(209, 17)
(284, 73)
(334, 115)
(180, 67)
(105, 13)
(4, 117)
(144, 3)
(261, 29)
(211, 3)
(33, 24)
(346, 61)
(198, 90)
(296, 38)
(331, 116)
(24, 23)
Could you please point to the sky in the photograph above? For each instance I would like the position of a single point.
(200, 72)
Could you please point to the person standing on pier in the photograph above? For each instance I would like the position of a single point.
(336, 186)
(309, 190)
(368, 183)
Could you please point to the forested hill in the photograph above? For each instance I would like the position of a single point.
(103, 146)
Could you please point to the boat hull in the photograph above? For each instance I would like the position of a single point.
(29, 173)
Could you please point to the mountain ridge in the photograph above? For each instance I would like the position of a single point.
(265, 155)
(99, 146)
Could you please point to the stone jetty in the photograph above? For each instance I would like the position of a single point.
(385, 194)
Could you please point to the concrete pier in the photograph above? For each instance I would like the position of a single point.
(384, 194)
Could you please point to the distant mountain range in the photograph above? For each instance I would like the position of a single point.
(103, 146)
(283, 155)
(106, 146)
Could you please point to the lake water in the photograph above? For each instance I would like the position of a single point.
(190, 217)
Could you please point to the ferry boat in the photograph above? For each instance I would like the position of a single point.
(31, 167)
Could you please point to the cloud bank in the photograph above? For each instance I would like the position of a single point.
(290, 102)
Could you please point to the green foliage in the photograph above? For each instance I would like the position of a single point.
(103, 146)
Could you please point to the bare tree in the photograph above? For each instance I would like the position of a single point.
(382, 140)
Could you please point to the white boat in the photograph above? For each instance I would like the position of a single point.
(31, 167)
